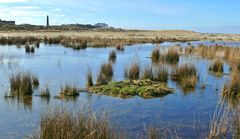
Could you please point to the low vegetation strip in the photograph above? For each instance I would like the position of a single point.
(129, 88)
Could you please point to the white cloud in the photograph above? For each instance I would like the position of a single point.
(12, 1)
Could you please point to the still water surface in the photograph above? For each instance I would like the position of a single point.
(187, 113)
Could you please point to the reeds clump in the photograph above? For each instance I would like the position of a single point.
(61, 124)
(232, 89)
(29, 49)
(105, 75)
(89, 79)
(120, 47)
(147, 73)
(172, 56)
(161, 74)
(69, 90)
(155, 55)
(133, 72)
(153, 133)
(225, 122)
(32, 50)
(45, 92)
(217, 66)
(186, 75)
(112, 56)
(23, 83)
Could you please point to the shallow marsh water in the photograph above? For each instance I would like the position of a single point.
(187, 113)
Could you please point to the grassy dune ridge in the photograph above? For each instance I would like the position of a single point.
(123, 34)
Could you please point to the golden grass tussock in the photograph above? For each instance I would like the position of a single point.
(105, 74)
(62, 124)
(89, 79)
(231, 90)
(186, 75)
(217, 66)
(23, 83)
(133, 71)
(215, 51)
(69, 90)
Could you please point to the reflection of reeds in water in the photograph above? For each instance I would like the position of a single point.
(12, 61)
(112, 56)
(22, 101)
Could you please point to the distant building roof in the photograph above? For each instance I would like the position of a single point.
(101, 25)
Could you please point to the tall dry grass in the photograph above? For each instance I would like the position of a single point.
(231, 90)
(155, 55)
(23, 83)
(186, 75)
(105, 74)
(62, 124)
(133, 71)
(217, 66)
(216, 51)
(225, 122)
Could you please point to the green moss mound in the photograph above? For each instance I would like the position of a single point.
(129, 88)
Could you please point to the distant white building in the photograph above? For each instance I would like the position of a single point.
(101, 25)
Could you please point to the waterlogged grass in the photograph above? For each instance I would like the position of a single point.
(186, 75)
(45, 92)
(155, 55)
(159, 73)
(68, 91)
(89, 79)
(23, 84)
(120, 47)
(129, 88)
(217, 67)
(61, 124)
(133, 71)
(171, 56)
(215, 51)
(231, 90)
(106, 74)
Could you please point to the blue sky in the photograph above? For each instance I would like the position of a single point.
(198, 15)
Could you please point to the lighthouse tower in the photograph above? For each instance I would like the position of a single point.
(47, 21)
